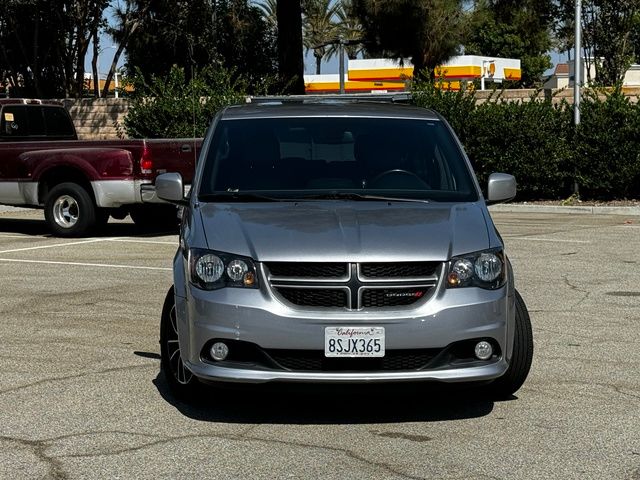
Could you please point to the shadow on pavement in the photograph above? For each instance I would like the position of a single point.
(112, 229)
(331, 404)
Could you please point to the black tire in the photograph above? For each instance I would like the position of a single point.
(505, 386)
(69, 210)
(155, 217)
(182, 383)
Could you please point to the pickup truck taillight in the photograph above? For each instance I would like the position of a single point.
(146, 162)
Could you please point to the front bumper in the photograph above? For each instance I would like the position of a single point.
(449, 316)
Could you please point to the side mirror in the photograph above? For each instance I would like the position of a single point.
(169, 188)
(502, 188)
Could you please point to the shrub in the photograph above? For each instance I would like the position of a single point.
(537, 142)
(525, 139)
(607, 147)
(174, 107)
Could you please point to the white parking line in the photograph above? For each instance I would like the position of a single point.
(154, 242)
(80, 264)
(553, 240)
(54, 245)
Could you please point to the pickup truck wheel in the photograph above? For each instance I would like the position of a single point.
(505, 386)
(182, 383)
(69, 210)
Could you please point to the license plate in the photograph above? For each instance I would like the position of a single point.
(354, 342)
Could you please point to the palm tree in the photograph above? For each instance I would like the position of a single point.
(319, 28)
(269, 12)
(350, 28)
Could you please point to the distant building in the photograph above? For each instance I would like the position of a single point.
(559, 78)
(115, 83)
(385, 75)
(564, 75)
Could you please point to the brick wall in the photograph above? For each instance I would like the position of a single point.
(97, 118)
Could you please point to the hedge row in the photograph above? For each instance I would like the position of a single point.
(538, 143)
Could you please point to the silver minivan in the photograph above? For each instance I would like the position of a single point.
(340, 242)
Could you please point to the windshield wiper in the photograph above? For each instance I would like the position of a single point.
(237, 197)
(359, 196)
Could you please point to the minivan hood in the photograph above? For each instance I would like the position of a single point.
(345, 231)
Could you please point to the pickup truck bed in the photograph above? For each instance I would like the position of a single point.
(81, 183)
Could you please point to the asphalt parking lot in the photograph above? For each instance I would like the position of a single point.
(81, 395)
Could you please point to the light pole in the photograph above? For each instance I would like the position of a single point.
(116, 84)
(341, 42)
(341, 67)
(577, 66)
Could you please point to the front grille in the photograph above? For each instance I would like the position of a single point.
(307, 269)
(398, 270)
(382, 297)
(351, 285)
(395, 360)
(314, 297)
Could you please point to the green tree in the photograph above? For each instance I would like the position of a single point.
(427, 31)
(608, 38)
(230, 33)
(128, 18)
(30, 43)
(513, 29)
(43, 44)
(611, 36)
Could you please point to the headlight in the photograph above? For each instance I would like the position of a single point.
(209, 268)
(481, 269)
(213, 270)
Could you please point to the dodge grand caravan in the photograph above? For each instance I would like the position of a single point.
(340, 242)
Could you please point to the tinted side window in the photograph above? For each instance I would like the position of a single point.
(36, 122)
(58, 122)
(14, 121)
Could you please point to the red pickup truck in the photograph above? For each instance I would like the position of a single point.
(80, 184)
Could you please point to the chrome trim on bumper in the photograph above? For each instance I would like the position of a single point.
(215, 373)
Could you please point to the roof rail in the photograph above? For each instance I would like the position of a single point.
(395, 97)
(28, 101)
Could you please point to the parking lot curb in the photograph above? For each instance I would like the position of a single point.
(586, 210)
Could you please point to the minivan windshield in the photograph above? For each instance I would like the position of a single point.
(352, 158)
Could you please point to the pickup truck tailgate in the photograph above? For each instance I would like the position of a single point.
(174, 155)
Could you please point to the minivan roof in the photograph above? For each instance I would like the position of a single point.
(328, 108)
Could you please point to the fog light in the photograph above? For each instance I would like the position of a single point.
(483, 350)
(219, 351)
